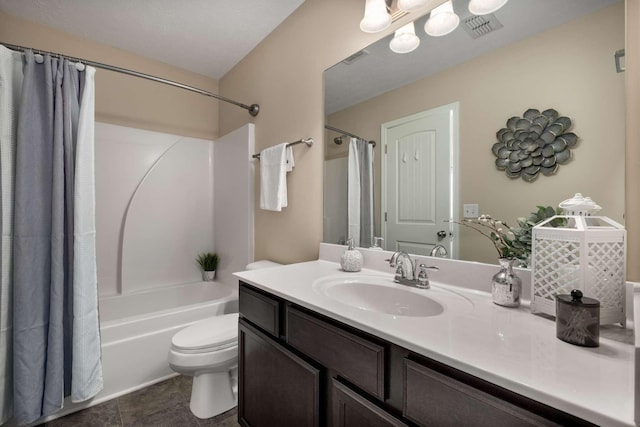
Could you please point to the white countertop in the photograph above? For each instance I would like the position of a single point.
(508, 347)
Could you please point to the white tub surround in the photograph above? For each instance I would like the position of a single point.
(509, 347)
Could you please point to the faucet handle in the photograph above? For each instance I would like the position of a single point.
(423, 278)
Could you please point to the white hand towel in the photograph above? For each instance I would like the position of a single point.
(290, 161)
(273, 178)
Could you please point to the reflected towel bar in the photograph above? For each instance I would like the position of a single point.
(344, 132)
(308, 141)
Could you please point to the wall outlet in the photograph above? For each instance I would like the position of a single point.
(470, 210)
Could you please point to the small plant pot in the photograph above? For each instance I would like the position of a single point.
(208, 276)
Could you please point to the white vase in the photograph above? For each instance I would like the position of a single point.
(208, 276)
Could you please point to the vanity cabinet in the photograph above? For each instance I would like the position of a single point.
(276, 387)
(300, 368)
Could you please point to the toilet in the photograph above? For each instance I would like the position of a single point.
(208, 351)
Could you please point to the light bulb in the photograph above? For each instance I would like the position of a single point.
(442, 20)
(376, 18)
(484, 7)
(404, 39)
(411, 5)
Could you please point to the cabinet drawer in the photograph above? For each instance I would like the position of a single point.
(433, 399)
(260, 309)
(357, 359)
(352, 410)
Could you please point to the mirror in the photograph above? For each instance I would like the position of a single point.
(547, 54)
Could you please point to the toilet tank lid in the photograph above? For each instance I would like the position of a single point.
(257, 265)
(218, 331)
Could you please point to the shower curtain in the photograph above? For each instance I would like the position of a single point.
(360, 192)
(50, 267)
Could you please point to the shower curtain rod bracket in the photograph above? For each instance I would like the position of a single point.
(254, 109)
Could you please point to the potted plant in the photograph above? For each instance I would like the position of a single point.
(208, 262)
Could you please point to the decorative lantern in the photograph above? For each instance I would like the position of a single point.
(579, 251)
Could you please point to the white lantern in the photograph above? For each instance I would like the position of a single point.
(579, 251)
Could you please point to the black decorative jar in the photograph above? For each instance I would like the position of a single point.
(578, 319)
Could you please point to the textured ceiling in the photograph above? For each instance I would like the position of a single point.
(208, 37)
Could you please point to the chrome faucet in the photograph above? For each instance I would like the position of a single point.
(406, 271)
(439, 251)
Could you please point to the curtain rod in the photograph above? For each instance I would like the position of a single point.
(253, 109)
(344, 132)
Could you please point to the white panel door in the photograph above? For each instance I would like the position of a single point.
(417, 177)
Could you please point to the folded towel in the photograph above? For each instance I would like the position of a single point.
(273, 178)
(290, 161)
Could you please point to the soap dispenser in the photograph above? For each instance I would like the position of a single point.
(351, 259)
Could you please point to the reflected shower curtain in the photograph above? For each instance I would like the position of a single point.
(56, 344)
(360, 192)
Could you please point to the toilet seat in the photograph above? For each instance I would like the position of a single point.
(212, 334)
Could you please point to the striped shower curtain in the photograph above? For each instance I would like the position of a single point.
(50, 344)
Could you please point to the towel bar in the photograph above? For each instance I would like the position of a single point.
(308, 141)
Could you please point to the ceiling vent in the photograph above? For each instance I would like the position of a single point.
(353, 58)
(481, 25)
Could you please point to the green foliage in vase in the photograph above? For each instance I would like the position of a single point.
(523, 234)
(512, 242)
(208, 261)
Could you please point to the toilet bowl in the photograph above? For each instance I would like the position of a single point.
(208, 351)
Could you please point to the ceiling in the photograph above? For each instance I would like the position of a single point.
(208, 37)
(386, 70)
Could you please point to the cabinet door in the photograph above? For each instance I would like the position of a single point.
(434, 399)
(359, 360)
(276, 387)
(352, 410)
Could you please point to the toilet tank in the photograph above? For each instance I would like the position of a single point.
(257, 265)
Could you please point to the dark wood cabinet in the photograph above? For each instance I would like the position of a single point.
(434, 399)
(350, 409)
(276, 387)
(359, 360)
(299, 368)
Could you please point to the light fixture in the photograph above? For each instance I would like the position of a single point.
(411, 5)
(405, 39)
(376, 18)
(484, 7)
(442, 20)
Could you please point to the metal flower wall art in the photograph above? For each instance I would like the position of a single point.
(534, 143)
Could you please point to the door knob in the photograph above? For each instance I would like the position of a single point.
(441, 234)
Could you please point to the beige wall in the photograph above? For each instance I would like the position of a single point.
(632, 213)
(284, 75)
(126, 100)
(505, 83)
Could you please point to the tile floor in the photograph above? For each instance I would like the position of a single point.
(165, 404)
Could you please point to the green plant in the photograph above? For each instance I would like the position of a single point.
(512, 242)
(208, 261)
(525, 228)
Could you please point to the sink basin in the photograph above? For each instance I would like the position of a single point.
(382, 295)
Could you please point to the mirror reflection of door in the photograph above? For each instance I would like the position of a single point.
(419, 188)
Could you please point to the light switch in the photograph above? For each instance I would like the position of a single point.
(470, 210)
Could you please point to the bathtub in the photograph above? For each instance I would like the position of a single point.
(136, 331)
